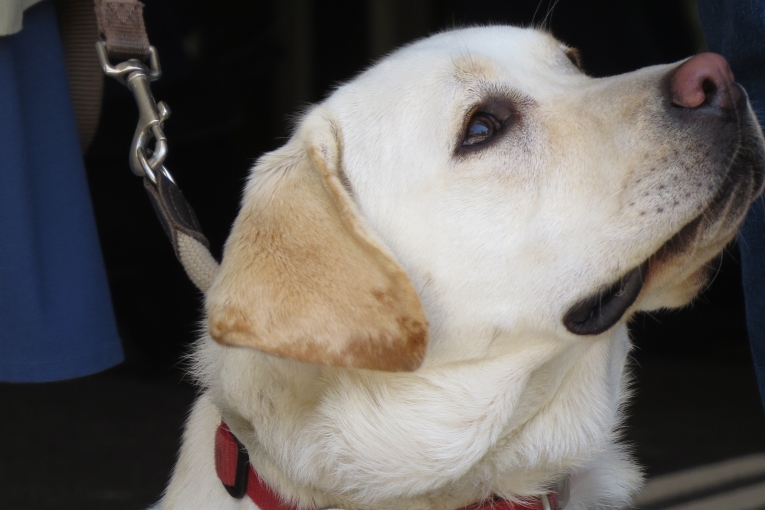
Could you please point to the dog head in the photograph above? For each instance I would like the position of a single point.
(475, 204)
(513, 190)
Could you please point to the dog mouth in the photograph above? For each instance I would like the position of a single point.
(599, 311)
(604, 308)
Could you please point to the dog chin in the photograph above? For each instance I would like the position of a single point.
(685, 265)
(668, 289)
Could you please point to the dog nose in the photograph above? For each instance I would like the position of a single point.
(704, 80)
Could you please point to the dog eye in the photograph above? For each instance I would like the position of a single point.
(482, 127)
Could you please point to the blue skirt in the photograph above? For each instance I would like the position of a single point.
(56, 319)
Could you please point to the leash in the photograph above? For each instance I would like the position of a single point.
(124, 38)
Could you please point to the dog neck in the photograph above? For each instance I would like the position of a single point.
(283, 412)
(240, 480)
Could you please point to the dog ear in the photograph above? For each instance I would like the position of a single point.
(303, 277)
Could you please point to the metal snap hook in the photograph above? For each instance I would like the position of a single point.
(136, 76)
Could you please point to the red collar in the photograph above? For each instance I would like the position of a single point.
(239, 478)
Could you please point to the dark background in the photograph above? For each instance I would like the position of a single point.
(235, 73)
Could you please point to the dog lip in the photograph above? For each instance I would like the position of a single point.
(599, 311)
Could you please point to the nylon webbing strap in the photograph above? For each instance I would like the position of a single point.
(120, 23)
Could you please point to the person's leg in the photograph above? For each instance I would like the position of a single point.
(736, 30)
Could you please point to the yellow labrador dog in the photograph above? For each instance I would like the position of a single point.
(423, 301)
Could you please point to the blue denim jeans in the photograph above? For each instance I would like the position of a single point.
(736, 30)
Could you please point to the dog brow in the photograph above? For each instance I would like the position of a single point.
(468, 68)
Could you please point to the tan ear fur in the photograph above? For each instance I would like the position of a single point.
(303, 277)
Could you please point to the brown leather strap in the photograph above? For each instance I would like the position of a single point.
(174, 212)
(182, 227)
(120, 23)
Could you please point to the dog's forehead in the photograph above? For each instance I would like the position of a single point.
(471, 60)
(492, 50)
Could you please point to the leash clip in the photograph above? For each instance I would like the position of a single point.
(145, 161)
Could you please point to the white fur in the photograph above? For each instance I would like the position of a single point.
(498, 243)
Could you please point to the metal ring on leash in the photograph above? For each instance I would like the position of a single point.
(149, 171)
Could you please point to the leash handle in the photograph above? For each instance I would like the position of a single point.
(124, 36)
